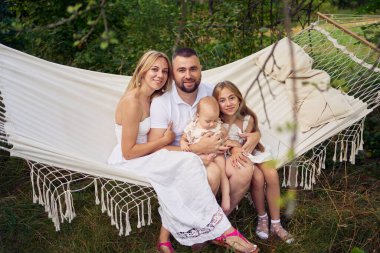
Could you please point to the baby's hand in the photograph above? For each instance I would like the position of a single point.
(185, 147)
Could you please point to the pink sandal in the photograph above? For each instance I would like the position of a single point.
(165, 244)
(222, 241)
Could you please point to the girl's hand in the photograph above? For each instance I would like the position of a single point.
(169, 135)
(252, 141)
(238, 157)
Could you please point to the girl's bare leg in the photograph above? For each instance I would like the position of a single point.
(273, 199)
(258, 198)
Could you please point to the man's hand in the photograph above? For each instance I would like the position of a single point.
(252, 140)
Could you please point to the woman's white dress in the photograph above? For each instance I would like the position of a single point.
(188, 207)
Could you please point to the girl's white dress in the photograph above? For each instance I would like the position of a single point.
(188, 207)
(233, 134)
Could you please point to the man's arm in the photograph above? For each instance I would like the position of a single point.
(209, 143)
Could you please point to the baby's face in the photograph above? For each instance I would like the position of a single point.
(208, 119)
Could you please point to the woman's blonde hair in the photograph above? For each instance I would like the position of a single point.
(243, 109)
(145, 63)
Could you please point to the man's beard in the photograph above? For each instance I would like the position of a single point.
(183, 88)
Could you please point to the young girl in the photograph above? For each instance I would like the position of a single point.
(238, 118)
(207, 120)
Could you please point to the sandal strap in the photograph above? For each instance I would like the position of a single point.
(165, 244)
(235, 232)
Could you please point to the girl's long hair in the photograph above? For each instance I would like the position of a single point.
(145, 63)
(243, 109)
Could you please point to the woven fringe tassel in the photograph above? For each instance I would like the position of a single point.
(111, 212)
(142, 214)
(121, 230)
(289, 175)
(128, 228)
(108, 204)
(305, 179)
(335, 148)
(149, 212)
(362, 133)
(61, 210)
(40, 200)
(35, 198)
(115, 215)
(70, 212)
(302, 177)
(283, 178)
(104, 208)
(296, 184)
(97, 201)
(138, 216)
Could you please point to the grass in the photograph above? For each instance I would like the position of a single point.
(341, 213)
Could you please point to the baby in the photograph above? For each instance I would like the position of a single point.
(206, 121)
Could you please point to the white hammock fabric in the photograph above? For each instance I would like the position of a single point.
(60, 119)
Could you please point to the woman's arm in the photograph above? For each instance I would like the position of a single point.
(131, 114)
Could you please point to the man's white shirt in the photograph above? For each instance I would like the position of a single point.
(171, 107)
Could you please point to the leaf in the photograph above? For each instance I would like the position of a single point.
(357, 250)
(104, 45)
(70, 9)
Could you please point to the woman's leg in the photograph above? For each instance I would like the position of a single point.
(224, 183)
(163, 238)
(240, 179)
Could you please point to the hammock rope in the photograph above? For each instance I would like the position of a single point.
(124, 197)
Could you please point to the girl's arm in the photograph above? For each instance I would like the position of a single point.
(252, 138)
(131, 114)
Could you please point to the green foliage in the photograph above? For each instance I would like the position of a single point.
(110, 36)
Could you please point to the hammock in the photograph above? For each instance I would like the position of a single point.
(60, 119)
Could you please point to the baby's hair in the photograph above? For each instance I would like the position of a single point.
(243, 109)
(210, 101)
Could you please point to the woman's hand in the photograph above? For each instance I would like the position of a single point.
(251, 142)
(169, 135)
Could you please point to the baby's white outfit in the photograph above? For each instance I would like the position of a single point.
(195, 133)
